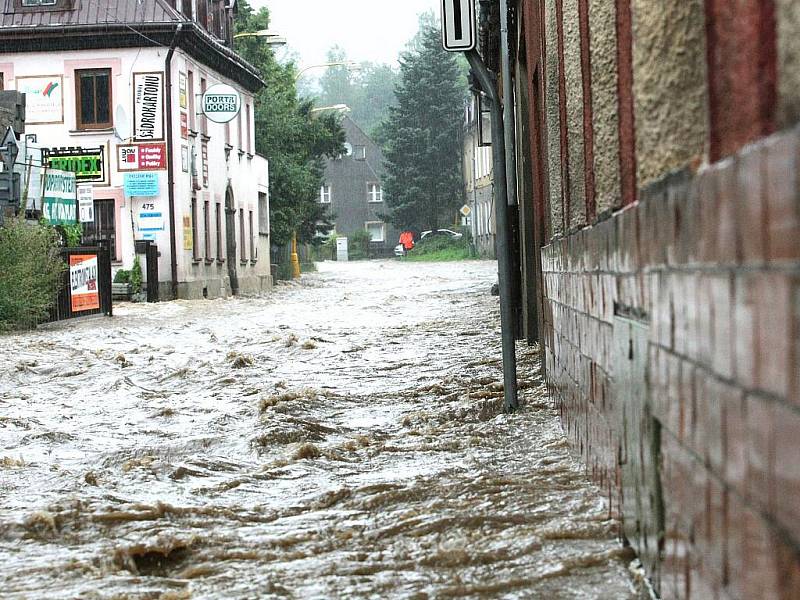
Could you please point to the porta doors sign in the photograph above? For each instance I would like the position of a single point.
(459, 25)
(221, 103)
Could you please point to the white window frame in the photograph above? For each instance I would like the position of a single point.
(29, 3)
(374, 192)
(360, 152)
(383, 230)
(325, 193)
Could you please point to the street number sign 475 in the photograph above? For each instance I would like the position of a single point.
(459, 25)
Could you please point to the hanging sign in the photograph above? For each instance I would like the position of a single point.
(141, 184)
(84, 292)
(221, 103)
(142, 157)
(59, 203)
(44, 99)
(458, 25)
(148, 106)
(86, 163)
(85, 204)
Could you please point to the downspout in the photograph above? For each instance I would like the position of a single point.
(173, 243)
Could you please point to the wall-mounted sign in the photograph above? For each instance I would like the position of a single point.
(59, 202)
(184, 126)
(142, 157)
(141, 184)
(185, 159)
(85, 204)
(150, 221)
(221, 103)
(148, 106)
(86, 163)
(182, 97)
(44, 99)
(188, 234)
(84, 293)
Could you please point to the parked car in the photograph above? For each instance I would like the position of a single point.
(453, 235)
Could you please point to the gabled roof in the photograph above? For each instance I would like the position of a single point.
(95, 24)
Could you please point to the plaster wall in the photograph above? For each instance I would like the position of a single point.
(574, 85)
(669, 86)
(788, 16)
(553, 120)
(605, 118)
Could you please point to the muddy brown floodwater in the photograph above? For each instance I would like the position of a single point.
(338, 439)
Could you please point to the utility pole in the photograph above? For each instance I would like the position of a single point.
(459, 34)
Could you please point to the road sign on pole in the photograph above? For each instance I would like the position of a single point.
(459, 26)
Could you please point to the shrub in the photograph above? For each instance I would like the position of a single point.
(72, 233)
(358, 244)
(136, 276)
(122, 276)
(30, 273)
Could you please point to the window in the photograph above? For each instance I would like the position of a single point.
(207, 229)
(325, 193)
(93, 98)
(204, 120)
(247, 124)
(239, 130)
(1, 83)
(360, 152)
(103, 227)
(190, 91)
(375, 229)
(374, 192)
(27, 3)
(218, 219)
(195, 237)
(252, 240)
(242, 245)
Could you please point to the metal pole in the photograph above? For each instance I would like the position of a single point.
(508, 112)
(487, 82)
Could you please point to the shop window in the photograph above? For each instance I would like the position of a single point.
(93, 98)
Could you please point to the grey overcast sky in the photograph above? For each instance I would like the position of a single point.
(369, 30)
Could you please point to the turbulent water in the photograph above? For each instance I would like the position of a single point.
(337, 439)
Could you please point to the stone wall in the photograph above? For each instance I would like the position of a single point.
(672, 335)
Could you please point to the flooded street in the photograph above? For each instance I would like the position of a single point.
(341, 438)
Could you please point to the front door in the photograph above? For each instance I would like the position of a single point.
(230, 235)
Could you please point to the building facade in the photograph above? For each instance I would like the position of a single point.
(353, 190)
(478, 186)
(113, 93)
(657, 152)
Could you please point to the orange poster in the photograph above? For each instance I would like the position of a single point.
(83, 282)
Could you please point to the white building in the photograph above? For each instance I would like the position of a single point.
(478, 178)
(113, 92)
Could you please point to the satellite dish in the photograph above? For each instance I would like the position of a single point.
(348, 149)
(122, 125)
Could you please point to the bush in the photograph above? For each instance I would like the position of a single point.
(136, 276)
(358, 244)
(122, 276)
(30, 273)
(440, 248)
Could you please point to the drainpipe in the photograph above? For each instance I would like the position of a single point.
(173, 244)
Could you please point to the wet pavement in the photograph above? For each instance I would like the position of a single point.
(341, 438)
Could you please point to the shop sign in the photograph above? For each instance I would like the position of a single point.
(182, 97)
(142, 157)
(188, 234)
(184, 126)
(148, 106)
(141, 184)
(84, 292)
(150, 220)
(85, 204)
(86, 163)
(44, 99)
(185, 159)
(221, 103)
(59, 203)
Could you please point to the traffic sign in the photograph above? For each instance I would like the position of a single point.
(465, 210)
(459, 26)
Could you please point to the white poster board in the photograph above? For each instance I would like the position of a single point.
(44, 98)
(85, 204)
(148, 106)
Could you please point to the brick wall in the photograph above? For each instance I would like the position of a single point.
(708, 266)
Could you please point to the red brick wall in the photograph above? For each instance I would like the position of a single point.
(711, 263)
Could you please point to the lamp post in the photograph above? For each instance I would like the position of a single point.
(350, 64)
(271, 38)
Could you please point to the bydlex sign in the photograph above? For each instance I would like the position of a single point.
(459, 26)
(221, 103)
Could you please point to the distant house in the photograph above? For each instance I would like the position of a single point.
(478, 180)
(354, 190)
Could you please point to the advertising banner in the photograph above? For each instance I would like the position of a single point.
(148, 106)
(84, 292)
(44, 99)
(59, 202)
(142, 157)
(141, 184)
(87, 163)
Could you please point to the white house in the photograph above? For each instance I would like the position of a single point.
(114, 93)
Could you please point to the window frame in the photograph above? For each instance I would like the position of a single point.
(79, 124)
(383, 230)
(378, 196)
(360, 152)
(242, 246)
(322, 194)
(207, 229)
(195, 234)
(218, 223)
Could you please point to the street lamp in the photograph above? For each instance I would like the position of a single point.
(350, 64)
(270, 37)
(336, 107)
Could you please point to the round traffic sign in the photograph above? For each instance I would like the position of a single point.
(221, 103)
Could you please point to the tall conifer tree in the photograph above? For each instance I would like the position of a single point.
(424, 185)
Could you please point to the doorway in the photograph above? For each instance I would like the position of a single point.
(230, 236)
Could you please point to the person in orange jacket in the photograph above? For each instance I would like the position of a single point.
(407, 239)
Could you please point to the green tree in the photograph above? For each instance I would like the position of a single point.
(422, 136)
(293, 139)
